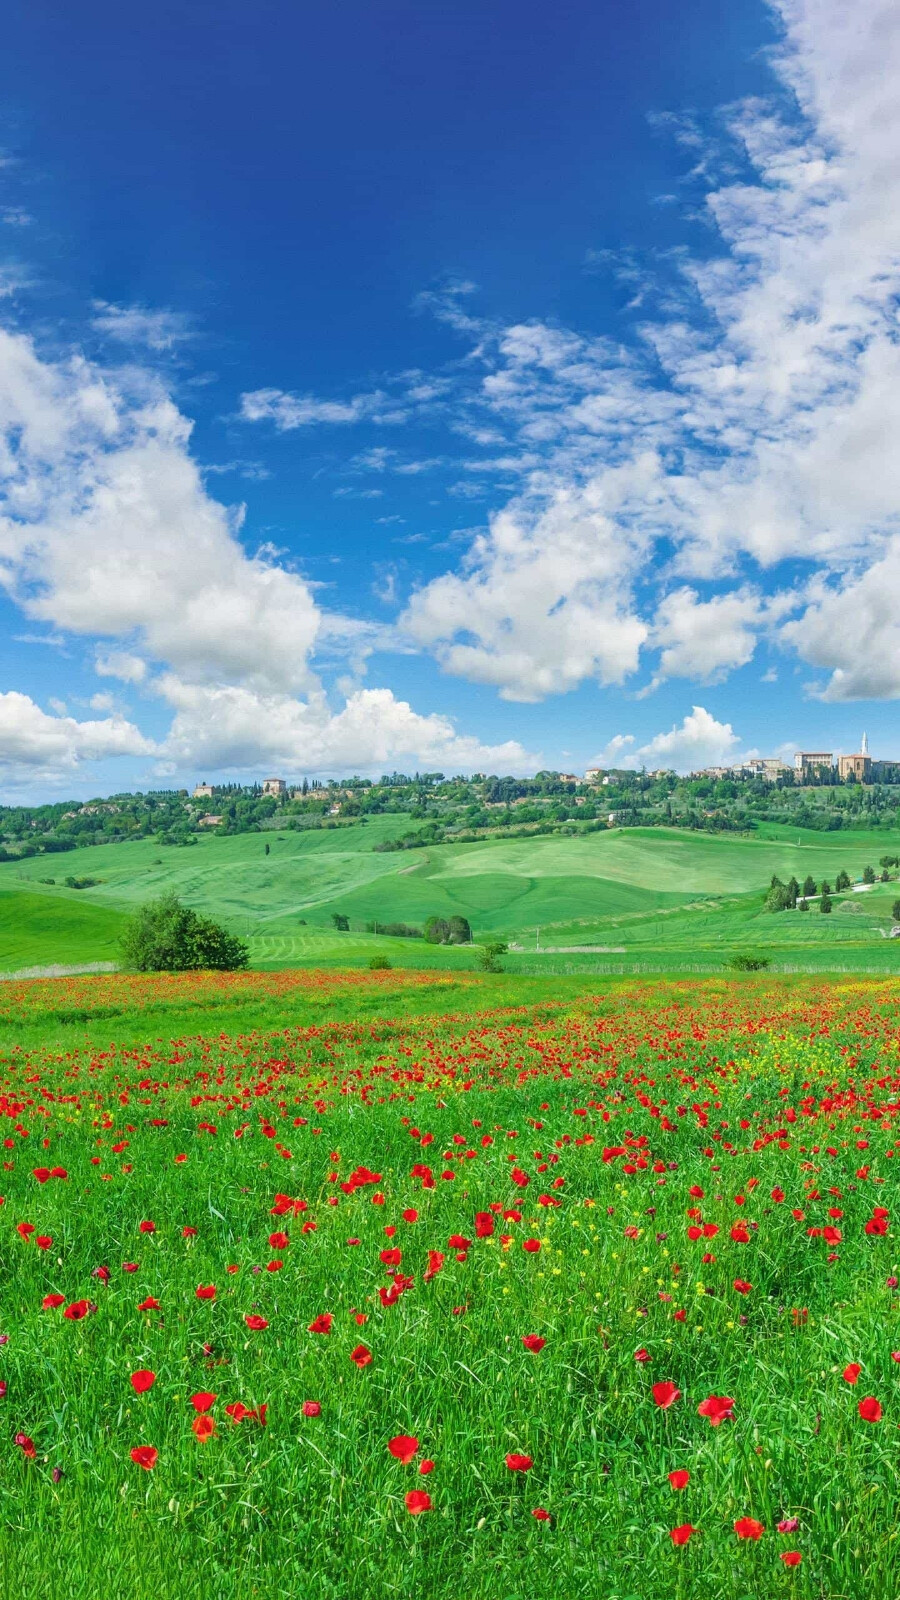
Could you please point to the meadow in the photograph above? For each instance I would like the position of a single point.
(628, 900)
(326, 1284)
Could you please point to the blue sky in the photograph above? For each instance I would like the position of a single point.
(456, 387)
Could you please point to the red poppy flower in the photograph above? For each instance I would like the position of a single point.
(665, 1394)
(425, 1467)
(852, 1372)
(641, 1356)
(203, 1428)
(26, 1445)
(129, 1266)
(749, 1528)
(870, 1409)
(238, 1412)
(149, 1304)
(254, 1323)
(788, 1525)
(311, 1408)
(361, 1355)
(2, 1388)
(51, 1301)
(532, 1246)
(77, 1310)
(321, 1323)
(742, 1286)
(25, 1229)
(679, 1479)
(517, 1463)
(403, 1447)
(533, 1342)
(416, 1501)
(484, 1225)
(145, 1455)
(203, 1400)
(206, 1291)
(147, 1227)
(43, 1241)
(681, 1535)
(791, 1558)
(142, 1380)
(188, 1232)
(540, 1514)
(410, 1214)
(717, 1408)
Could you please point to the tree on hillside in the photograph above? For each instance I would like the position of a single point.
(437, 930)
(460, 931)
(793, 890)
(868, 874)
(341, 923)
(778, 898)
(809, 886)
(895, 911)
(825, 902)
(165, 936)
(842, 881)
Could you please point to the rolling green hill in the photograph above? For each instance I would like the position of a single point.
(651, 897)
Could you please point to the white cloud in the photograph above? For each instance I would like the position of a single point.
(36, 745)
(765, 388)
(698, 741)
(106, 529)
(159, 330)
(705, 640)
(290, 411)
(236, 729)
(546, 598)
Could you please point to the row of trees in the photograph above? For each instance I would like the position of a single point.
(791, 896)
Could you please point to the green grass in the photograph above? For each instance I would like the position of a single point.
(312, 1508)
(671, 898)
(37, 927)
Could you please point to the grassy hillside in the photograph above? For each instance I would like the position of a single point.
(36, 929)
(646, 897)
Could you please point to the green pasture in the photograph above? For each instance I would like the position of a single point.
(639, 899)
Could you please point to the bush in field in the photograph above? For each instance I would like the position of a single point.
(380, 964)
(490, 952)
(743, 961)
(165, 936)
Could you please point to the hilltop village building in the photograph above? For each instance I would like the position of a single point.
(858, 766)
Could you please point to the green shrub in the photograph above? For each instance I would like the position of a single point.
(380, 964)
(165, 936)
(488, 961)
(743, 961)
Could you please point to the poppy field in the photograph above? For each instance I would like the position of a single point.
(596, 1295)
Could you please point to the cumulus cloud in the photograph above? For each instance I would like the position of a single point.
(106, 528)
(236, 728)
(545, 600)
(108, 531)
(698, 741)
(763, 387)
(35, 744)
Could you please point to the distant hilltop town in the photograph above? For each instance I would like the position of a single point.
(812, 767)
